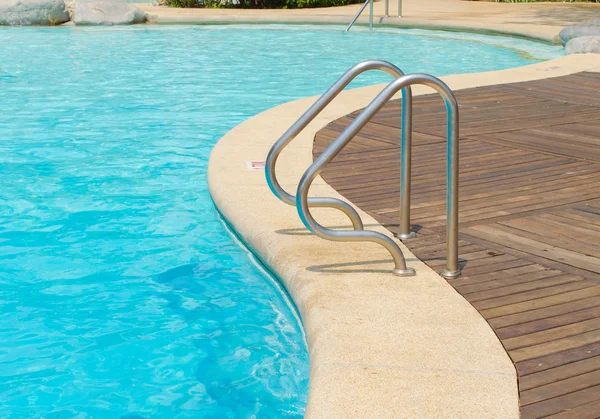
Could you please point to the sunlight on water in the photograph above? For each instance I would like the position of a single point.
(121, 294)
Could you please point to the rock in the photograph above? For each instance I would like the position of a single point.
(589, 27)
(583, 45)
(33, 12)
(106, 12)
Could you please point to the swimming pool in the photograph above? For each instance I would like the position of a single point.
(122, 294)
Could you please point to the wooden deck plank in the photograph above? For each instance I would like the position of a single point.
(561, 404)
(529, 220)
(583, 411)
(563, 308)
(489, 288)
(560, 388)
(531, 244)
(560, 373)
(552, 361)
(589, 290)
(552, 334)
(538, 326)
(498, 296)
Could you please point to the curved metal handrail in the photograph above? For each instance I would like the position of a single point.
(312, 113)
(452, 270)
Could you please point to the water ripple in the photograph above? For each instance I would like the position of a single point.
(121, 295)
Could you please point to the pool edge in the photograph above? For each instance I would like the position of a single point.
(260, 220)
(493, 30)
(475, 17)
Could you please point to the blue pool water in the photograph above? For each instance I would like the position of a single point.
(121, 293)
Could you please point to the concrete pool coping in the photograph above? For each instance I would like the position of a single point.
(539, 21)
(380, 346)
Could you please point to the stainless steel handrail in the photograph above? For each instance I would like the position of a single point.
(362, 8)
(452, 269)
(404, 232)
(312, 113)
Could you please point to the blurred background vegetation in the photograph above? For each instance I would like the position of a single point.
(259, 4)
(299, 4)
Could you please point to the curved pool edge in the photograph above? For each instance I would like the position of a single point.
(380, 346)
(526, 21)
(157, 16)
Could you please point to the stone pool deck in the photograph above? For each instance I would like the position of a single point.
(534, 20)
(380, 346)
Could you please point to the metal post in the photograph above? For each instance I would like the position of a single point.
(452, 268)
(362, 8)
(371, 15)
(399, 8)
(387, 8)
(405, 171)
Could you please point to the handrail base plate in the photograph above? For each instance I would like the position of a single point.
(450, 274)
(410, 235)
(404, 272)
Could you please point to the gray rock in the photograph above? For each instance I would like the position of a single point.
(33, 12)
(106, 12)
(583, 45)
(589, 27)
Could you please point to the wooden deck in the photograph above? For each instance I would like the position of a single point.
(529, 220)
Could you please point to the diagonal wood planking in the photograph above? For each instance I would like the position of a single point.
(529, 220)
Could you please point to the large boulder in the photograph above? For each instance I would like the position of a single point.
(33, 12)
(589, 27)
(106, 12)
(583, 45)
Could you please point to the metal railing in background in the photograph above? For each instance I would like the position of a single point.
(362, 8)
(387, 8)
(452, 268)
(370, 3)
(312, 113)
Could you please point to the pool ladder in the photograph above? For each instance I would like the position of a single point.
(370, 3)
(303, 203)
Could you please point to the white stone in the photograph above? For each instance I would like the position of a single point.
(583, 45)
(106, 12)
(33, 12)
(590, 27)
